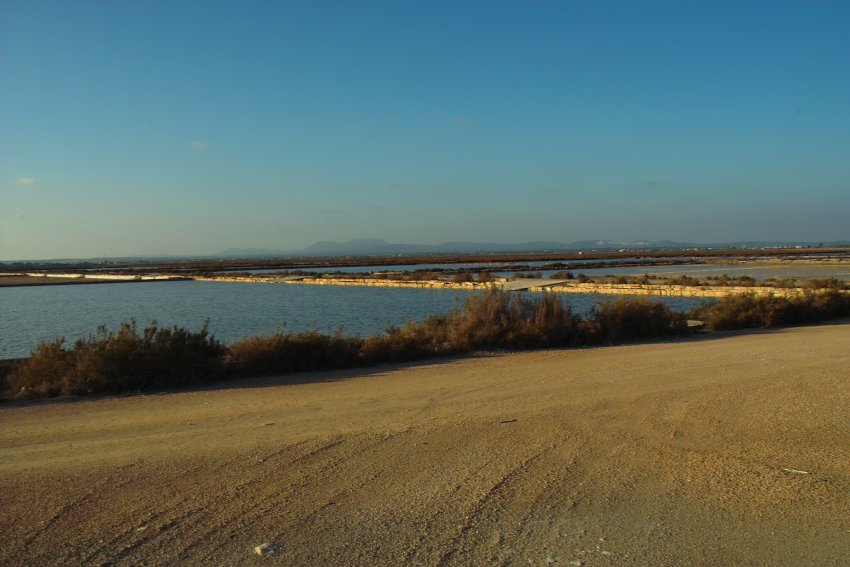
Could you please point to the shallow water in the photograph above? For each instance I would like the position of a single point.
(234, 310)
(753, 270)
(456, 266)
(757, 271)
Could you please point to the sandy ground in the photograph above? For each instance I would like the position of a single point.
(687, 453)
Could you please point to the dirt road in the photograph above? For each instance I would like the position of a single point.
(730, 450)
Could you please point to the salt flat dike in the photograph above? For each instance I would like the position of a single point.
(19, 279)
(730, 449)
(531, 284)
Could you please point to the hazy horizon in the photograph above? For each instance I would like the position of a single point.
(432, 248)
(162, 128)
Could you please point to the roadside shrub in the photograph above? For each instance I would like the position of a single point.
(488, 319)
(555, 322)
(491, 319)
(41, 376)
(295, 352)
(119, 361)
(732, 312)
(412, 341)
(750, 311)
(501, 319)
(629, 318)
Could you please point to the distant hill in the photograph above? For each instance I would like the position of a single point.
(379, 246)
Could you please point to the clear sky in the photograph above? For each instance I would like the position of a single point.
(178, 127)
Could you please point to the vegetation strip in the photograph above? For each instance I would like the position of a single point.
(155, 358)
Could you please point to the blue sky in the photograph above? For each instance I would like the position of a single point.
(178, 127)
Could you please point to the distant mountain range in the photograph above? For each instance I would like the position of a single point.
(380, 247)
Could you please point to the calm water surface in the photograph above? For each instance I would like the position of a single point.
(757, 271)
(753, 270)
(416, 267)
(235, 310)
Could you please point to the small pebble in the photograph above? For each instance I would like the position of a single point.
(266, 549)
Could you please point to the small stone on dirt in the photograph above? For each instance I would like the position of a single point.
(268, 548)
